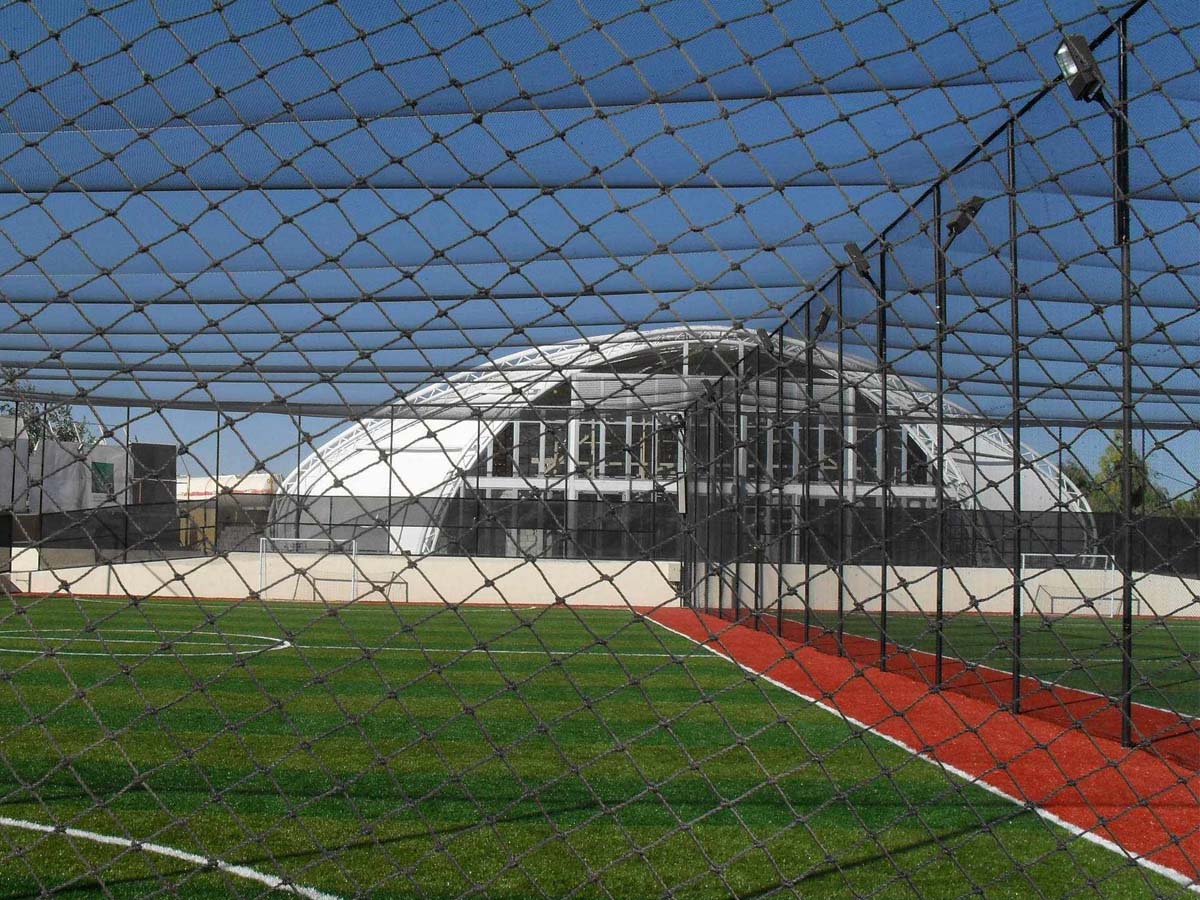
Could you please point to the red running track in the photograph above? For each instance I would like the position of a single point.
(1166, 733)
(1146, 804)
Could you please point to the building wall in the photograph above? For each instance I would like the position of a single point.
(914, 589)
(397, 579)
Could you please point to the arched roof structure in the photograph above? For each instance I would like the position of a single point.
(427, 439)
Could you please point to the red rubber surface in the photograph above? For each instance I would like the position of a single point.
(1147, 804)
(1170, 734)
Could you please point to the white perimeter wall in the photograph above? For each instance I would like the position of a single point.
(308, 576)
(989, 590)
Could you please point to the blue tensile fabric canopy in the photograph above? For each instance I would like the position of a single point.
(334, 204)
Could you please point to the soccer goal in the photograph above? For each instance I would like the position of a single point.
(1064, 584)
(317, 560)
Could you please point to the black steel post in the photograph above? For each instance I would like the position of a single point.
(939, 466)
(12, 506)
(738, 456)
(714, 513)
(759, 460)
(780, 474)
(806, 488)
(126, 494)
(217, 491)
(841, 470)
(299, 442)
(1121, 202)
(1014, 297)
(884, 462)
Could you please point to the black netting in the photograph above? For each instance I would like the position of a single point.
(606, 450)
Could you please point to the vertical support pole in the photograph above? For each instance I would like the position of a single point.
(299, 441)
(781, 476)
(391, 462)
(711, 510)
(1014, 298)
(760, 458)
(808, 467)
(1121, 201)
(12, 506)
(217, 490)
(939, 466)
(45, 429)
(738, 456)
(884, 460)
(127, 493)
(841, 469)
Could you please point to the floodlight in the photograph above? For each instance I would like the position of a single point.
(1078, 67)
(858, 260)
(822, 322)
(966, 215)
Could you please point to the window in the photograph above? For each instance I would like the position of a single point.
(529, 448)
(103, 479)
(502, 455)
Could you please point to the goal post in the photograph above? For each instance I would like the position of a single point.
(323, 548)
(1064, 584)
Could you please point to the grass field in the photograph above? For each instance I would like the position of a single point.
(1080, 651)
(435, 752)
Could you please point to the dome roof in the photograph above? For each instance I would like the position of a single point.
(433, 434)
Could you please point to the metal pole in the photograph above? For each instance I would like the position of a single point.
(940, 464)
(1121, 201)
(217, 489)
(760, 457)
(884, 462)
(841, 471)
(808, 468)
(711, 509)
(737, 482)
(299, 442)
(781, 479)
(387, 537)
(128, 480)
(12, 505)
(1014, 290)
(42, 486)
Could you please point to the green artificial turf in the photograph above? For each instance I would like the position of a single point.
(399, 752)
(1080, 651)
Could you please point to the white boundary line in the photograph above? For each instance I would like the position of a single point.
(272, 881)
(460, 651)
(1167, 872)
(154, 637)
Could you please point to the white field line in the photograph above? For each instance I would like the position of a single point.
(460, 651)
(238, 871)
(155, 638)
(1158, 868)
(274, 643)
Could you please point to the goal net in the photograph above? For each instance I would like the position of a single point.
(1065, 584)
(311, 568)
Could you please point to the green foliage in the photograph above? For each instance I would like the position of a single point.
(38, 419)
(1102, 488)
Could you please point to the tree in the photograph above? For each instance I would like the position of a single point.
(38, 418)
(1187, 504)
(1103, 489)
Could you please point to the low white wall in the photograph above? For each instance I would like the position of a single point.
(306, 576)
(988, 590)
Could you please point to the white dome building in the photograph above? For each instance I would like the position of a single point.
(518, 445)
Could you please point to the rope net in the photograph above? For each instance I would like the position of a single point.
(679, 449)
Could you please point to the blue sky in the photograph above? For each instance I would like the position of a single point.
(403, 190)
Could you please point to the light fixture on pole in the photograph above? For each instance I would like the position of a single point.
(1079, 68)
(963, 218)
(822, 321)
(1086, 82)
(858, 259)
